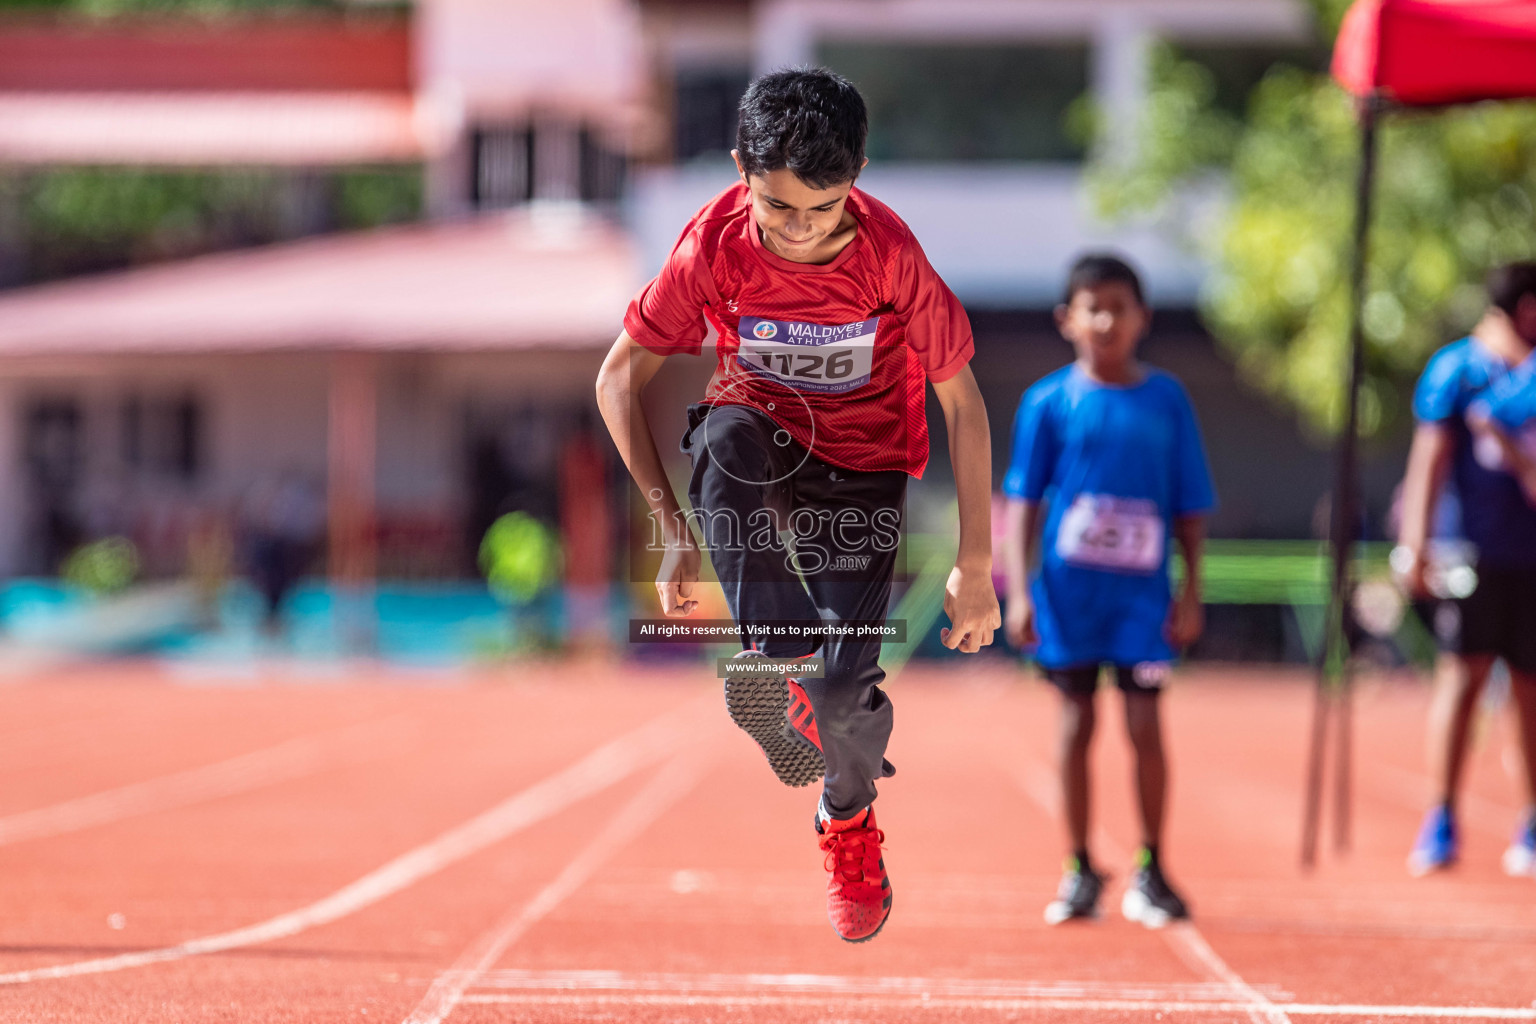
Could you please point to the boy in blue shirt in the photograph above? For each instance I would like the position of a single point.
(1509, 420)
(1107, 456)
(1469, 390)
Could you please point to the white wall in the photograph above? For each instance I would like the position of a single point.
(1000, 234)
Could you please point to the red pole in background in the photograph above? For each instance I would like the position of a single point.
(352, 455)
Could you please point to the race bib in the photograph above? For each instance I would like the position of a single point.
(1103, 532)
(1490, 455)
(809, 357)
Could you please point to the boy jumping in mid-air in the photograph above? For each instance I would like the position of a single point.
(829, 321)
(1107, 454)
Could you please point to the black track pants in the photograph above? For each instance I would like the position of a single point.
(750, 481)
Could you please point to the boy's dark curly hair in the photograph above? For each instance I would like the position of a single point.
(809, 120)
(1096, 268)
(1508, 284)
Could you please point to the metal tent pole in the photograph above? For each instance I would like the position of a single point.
(1333, 692)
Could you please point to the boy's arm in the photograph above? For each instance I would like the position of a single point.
(969, 599)
(1429, 460)
(1021, 542)
(1186, 620)
(625, 373)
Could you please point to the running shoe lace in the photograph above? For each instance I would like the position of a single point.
(853, 855)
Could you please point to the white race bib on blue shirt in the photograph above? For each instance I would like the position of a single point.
(1100, 531)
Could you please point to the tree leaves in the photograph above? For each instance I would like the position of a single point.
(1455, 196)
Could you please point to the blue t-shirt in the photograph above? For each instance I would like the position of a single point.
(1116, 466)
(1494, 513)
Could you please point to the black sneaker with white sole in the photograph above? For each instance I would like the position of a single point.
(1077, 896)
(758, 703)
(1150, 900)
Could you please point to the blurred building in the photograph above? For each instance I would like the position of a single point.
(426, 376)
(430, 376)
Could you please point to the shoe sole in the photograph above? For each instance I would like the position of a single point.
(1135, 907)
(759, 705)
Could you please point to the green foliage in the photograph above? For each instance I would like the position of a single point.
(75, 220)
(370, 198)
(103, 566)
(1455, 195)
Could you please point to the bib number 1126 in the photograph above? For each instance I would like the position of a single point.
(809, 357)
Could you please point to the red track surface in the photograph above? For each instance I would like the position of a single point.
(671, 879)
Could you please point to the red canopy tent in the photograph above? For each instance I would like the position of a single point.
(1397, 54)
(1429, 52)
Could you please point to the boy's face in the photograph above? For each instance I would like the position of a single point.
(795, 218)
(1104, 322)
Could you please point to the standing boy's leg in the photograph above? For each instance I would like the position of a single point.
(1149, 899)
(1458, 684)
(1519, 650)
(1520, 655)
(1522, 686)
(1078, 719)
(1081, 886)
(1144, 727)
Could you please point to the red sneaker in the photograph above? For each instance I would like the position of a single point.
(761, 704)
(858, 890)
(800, 715)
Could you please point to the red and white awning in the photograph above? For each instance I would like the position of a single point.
(530, 279)
(205, 129)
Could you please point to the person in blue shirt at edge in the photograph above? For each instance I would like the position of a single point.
(1508, 420)
(1455, 445)
(1107, 458)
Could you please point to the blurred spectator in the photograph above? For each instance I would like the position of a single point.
(283, 522)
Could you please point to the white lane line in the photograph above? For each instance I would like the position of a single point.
(942, 1004)
(288, 760)
(1184, 938)
(1185, 934)
(594, 773)
(847, 985)
(670, 785)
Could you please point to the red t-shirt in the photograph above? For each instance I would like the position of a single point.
(835, 353)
